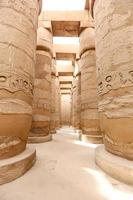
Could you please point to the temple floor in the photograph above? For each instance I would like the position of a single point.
(65, 170)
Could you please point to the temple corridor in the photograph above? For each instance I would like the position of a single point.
(66, 100)
(65, 169)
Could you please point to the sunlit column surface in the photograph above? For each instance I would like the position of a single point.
(90, 124)
(114, 51)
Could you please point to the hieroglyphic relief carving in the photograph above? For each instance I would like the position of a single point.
(115, 80)
(21, 7)
(14, 81)
(86, 106)
(42, 104)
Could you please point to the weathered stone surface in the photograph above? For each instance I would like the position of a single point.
(39, 139)
(87, 40)
(42, 95)
(65, 23)
(39, 6)
(17, 60)
(66, 109)
(114, 39)
(89, 104)
(76, 91)
(44, 39)
(89, 99)
(13, 168)
(73, 98)
(115, 166)
(55, 102)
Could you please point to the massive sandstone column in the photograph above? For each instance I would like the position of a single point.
(73, 108)
(89, 100)
(76, 91)
(58, 104)
(78, 95)
(40, 131)
(114, 47)
(55, 100)
(18, 24)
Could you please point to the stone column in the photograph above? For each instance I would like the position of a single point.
(54, 99)
(73, 89)
(78, 100)
(114, 50)
(89, 99)
(58, 104)
(18, 24)
(114, 38)
(77, 75)
(72, 123)
(40, 131)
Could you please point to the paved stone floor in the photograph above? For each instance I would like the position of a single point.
(65, 170)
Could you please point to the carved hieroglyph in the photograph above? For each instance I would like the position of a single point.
(114, 47)
(89, 98)
(18, 24)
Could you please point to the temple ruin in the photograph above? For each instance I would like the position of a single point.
(66, 82)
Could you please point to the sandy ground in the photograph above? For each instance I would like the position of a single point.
(65, 170)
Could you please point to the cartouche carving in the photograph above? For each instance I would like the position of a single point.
(115, 80)
(14, 81)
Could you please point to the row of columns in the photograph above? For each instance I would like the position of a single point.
(107, 112)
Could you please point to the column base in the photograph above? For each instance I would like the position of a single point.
(95, 139)
(39, 139)
(53, 132)
(13, 168)
(117, 167)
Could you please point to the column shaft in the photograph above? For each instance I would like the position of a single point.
(114, 47)
(17, 60)
(40, 131)
(89, 98)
